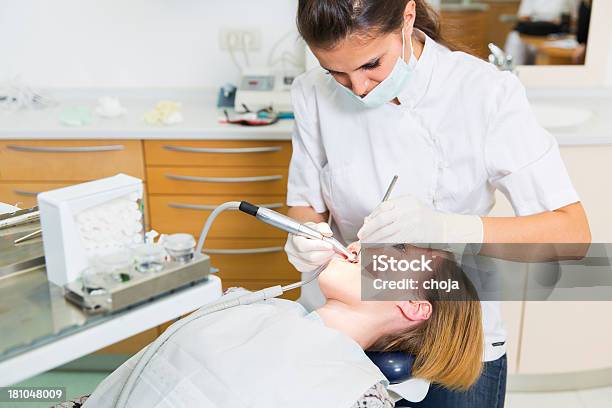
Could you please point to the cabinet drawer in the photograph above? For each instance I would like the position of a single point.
(257, 285)
(255, 259)
(171, 214)
(24, 194)
(229, 180)
(63, 160)
(218, 153)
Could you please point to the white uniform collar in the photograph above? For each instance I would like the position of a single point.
(416, 87)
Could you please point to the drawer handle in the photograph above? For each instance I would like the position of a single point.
(76, 149)
(207, 207)
(26, 193)
(268, 250)
(187, 149)
(224, 179)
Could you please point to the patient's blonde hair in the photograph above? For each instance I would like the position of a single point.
(449, 345)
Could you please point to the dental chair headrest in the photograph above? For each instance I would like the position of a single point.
(395, 365)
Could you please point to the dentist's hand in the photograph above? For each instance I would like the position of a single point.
(405, 220)
(306, 254)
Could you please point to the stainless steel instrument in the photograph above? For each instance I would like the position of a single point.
(385, 197)
(19, 217)
(292, 226)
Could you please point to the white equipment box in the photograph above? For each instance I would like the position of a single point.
(70, 216)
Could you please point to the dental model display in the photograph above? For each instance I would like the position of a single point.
(165, 113)
(109, 107)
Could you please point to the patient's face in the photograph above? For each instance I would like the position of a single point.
(341, 281)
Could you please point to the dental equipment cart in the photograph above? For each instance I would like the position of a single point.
(41, 330)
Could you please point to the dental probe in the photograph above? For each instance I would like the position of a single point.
(292, 226)
(390, 188)
(385, 198)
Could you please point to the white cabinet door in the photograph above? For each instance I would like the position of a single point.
(590, 168)
(560, 337)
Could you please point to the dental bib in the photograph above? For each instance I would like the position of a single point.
(262, 355)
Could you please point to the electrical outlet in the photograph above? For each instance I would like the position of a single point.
(239, 39)
(251, 38)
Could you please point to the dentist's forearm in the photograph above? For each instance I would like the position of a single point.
(306, 214)
(567, 225)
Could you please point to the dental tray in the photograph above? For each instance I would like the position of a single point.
(117, 295)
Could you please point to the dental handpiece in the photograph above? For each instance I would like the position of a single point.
(292, 226)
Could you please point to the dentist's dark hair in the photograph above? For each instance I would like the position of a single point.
(324, 23)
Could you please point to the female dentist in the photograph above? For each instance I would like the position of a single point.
(394, 97)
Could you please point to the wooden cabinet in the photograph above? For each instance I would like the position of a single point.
(187, 213)
(23, 194)
(476, 28)
(249, 259)
(466, 28)
(188, 179)
(63, 160)
(29, 167)
(501, 19)
(218, 153)
(234, 181)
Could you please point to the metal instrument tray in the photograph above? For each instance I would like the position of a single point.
(141, 286)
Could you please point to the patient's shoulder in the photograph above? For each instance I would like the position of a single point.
(376, 397)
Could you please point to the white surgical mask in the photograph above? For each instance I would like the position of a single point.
(390, 88)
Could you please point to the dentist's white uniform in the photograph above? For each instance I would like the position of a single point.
(463, 130)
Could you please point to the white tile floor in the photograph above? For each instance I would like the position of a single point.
(593, 398)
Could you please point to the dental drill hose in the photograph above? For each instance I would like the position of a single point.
(246, 299)
(230, 205)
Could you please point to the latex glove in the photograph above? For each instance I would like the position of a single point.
(306, 254)
(405, 220)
